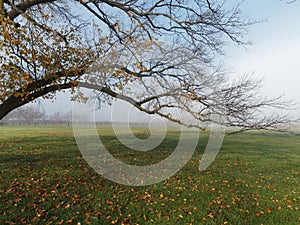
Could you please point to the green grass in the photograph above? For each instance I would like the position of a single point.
(45, 180)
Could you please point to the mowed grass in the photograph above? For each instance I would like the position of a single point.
(45, 180)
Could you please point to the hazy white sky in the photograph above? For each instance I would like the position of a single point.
(274, 55)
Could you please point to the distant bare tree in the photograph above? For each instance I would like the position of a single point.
(61, 118)
(56, 117)
(28, 114)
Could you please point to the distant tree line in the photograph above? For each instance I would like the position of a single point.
(35, 115)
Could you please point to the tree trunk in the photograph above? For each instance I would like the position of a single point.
(14, 102)
(9, 105)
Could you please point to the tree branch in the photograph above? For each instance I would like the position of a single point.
(22, 7)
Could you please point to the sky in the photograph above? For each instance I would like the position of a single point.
(275, 53)
(273, 56)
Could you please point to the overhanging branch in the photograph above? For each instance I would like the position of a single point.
(22, 7)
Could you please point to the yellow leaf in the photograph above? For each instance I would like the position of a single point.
(70, 221)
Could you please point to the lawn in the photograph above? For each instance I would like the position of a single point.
(45, 180)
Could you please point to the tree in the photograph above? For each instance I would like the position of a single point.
(47, 46)
(28, 114)
(58, 117)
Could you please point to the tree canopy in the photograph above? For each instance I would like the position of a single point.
(157, 55)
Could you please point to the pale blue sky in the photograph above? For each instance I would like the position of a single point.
(274, 55)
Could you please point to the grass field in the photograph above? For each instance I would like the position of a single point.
(45, 180)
